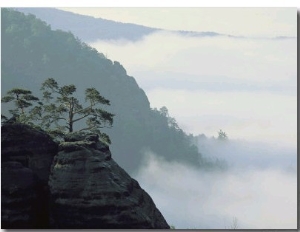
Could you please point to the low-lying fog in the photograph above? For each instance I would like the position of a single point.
(259, 190)
(247, 88)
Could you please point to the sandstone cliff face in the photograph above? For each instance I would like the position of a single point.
(26, 158)
(86, 187)
(18, 196)
(32, 148)
(89, 190)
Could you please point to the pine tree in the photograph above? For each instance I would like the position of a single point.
(62, 109)
(59, 109)
(23, 100)
(222, 135)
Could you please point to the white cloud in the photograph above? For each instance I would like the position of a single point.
(257, 60)
(190, 199)
(247, 87)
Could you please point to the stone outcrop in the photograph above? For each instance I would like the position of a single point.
(32, 148)
(18, 196)
(26, 158)
(74, 185)
(90, 190)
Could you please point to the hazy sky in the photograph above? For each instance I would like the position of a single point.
(235, 21)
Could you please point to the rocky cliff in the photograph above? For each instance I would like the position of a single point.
(32, 148)
(90, 190)
(26, 158)
(87, 188)
(18, 196)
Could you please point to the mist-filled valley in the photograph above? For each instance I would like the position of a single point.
(172, 94)
(242, 85)
(245, 86)
(242, 197)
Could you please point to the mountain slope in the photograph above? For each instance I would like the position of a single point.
(32, 52)
(90, 29)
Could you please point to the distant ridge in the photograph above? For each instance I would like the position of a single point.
(90, 29)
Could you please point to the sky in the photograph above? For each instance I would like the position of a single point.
(251, 21)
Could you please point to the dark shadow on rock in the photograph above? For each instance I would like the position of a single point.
(26, 158)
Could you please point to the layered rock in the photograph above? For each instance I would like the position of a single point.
(26, 158)
(86, 187)
(18, 196)
(90, 190)
(31, 147)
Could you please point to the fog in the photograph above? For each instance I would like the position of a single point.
(257, 197)
(247, 88)
(268, 117)
(254, 59)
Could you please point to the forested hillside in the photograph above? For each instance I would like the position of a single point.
(32, 52)
(88, 28)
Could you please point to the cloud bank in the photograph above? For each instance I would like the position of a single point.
(247, 59)
(193, 199)
(246, 87)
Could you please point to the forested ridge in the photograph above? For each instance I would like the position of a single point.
(32, 52)
(90, 29)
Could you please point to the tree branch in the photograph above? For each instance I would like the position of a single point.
(87, 128)
(91, 107)
(75, 120)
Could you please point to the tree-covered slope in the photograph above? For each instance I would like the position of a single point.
(89, 28)
(32, 52)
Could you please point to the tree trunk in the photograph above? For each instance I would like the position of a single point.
(70, 127)
(71, 115)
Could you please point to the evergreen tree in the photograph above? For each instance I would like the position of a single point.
(23, 100)
(62, 109)
(222, 135)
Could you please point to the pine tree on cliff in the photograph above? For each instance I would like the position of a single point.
(60, 109)
(23, 100)
(63, 110)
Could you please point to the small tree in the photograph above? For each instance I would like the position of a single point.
(234, 224)
(222, 135)
(23, 100)
(62, 110)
